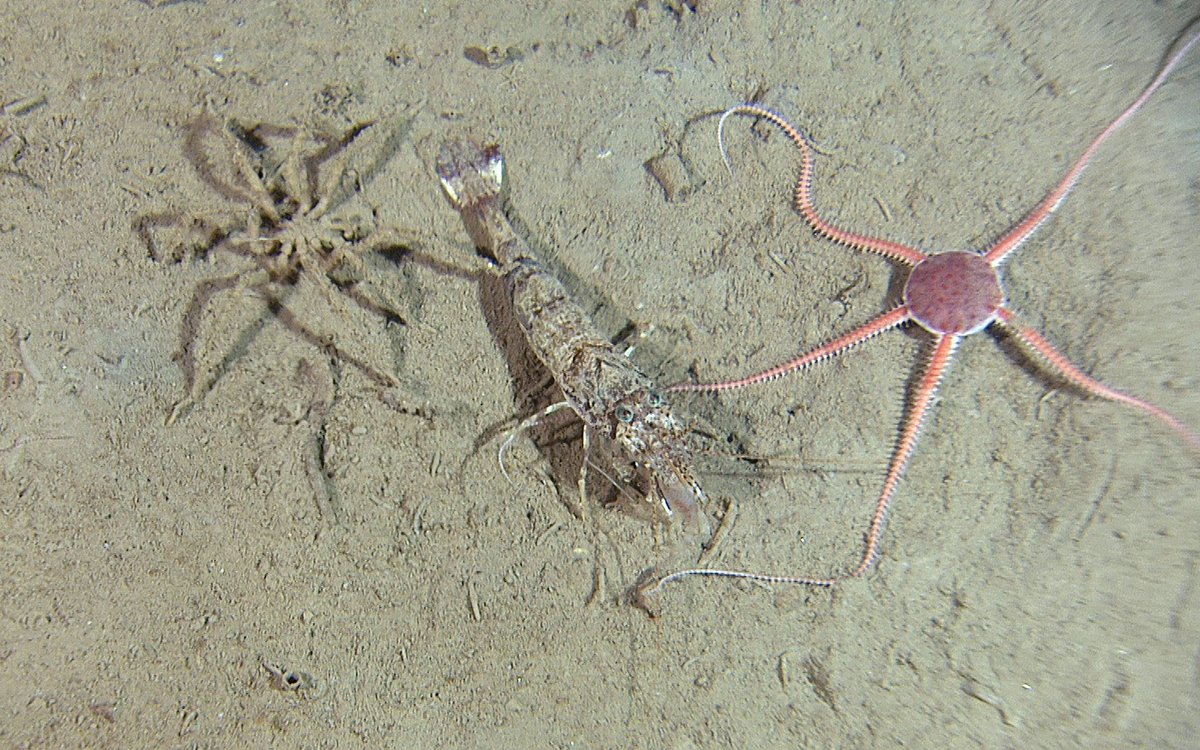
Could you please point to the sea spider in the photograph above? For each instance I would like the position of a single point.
(289, 227)
(950, 295)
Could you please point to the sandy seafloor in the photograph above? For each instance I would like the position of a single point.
(1039, 582)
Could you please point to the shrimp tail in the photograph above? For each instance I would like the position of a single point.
(471, 175)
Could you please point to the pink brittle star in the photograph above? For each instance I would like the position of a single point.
(951, 295)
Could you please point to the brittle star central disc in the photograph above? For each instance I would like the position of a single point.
(954, 293)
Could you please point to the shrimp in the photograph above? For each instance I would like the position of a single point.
(610, 395)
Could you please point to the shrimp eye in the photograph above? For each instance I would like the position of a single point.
(625, 414)
(656, 400)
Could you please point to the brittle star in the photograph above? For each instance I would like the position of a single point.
(950, 295)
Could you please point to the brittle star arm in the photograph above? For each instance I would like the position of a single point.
(939, 360)
(1058, 364)
(803, 195)
(1015, 237)
(832, 348)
